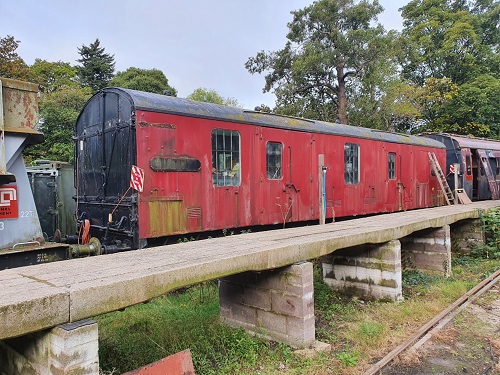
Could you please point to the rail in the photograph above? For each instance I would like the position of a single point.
(440, 319)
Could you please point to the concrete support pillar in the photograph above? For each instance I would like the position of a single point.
(367, 271)
(429, 250)
(67, 349)
(466, 235)
(277, 305)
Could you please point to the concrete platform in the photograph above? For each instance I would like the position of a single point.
(44, 296)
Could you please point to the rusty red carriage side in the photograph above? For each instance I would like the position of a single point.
(210, 167)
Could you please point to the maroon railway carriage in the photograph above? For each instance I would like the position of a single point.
(478, 162)
(209, 167)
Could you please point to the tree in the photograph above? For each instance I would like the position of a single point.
(53, 76)
(150, 80)
(399, 107)
(473, 110)
(376, 97)
(391, 107)
(329, 43)
(96, 68)
(434, 97)
(450, 49)
(58, 113)
(455, 39)
(211, 96)
(11, 65)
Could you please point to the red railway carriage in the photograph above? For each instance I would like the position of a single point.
(209, 167)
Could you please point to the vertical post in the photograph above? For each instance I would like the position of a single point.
(455, 175)
(321, 188)
(3, 159)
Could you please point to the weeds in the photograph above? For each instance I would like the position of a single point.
(491, 248)
(185, 239)
(414, 277)
(227, 232)
(371, 330)
(348, 359)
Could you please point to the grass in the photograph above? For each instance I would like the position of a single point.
(359, 332)
(189, 319)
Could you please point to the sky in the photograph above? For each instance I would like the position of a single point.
(195, 43)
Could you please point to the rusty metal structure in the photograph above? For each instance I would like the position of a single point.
(21, 238)
(19, 224)
(150, 166)
(18, 118)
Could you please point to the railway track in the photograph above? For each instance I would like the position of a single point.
(435, 324)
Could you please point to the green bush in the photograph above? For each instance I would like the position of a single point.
(491, 248)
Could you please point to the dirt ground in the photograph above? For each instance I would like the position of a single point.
(469, 344)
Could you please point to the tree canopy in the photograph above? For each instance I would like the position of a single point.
(329, 43)
(211, 96)
(53, 76)
(58, 113)
(450, 49)
(97, 67)
(11, 65)
(150, 80)
(450, 38)
(438, 74)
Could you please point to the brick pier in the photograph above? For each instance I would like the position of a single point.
(368, 271)
(68, 349)
(277, 305)
(429, 250)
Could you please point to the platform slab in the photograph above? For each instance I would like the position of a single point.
(43, 296)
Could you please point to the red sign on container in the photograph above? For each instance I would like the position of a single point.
(137, 178)
(8, 202)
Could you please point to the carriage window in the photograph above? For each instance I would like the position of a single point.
(274, 153)
(468, 164)
(226, 158)
(391, 165)
(351, 163)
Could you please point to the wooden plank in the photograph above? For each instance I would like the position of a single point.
(462, 196)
